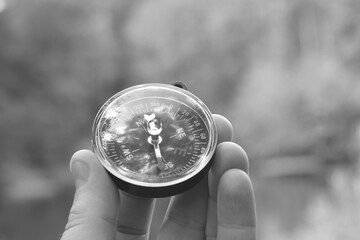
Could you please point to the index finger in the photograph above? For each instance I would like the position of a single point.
(224, 128)
(236, 207)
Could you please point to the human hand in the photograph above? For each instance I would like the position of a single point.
(221, 206)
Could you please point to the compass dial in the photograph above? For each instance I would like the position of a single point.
(155, 140)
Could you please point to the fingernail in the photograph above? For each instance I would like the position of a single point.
(80, 171)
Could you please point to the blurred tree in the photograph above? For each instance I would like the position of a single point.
(303, 101)
(206, 44)
(59, 60)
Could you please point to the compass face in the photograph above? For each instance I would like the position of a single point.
(154, 136)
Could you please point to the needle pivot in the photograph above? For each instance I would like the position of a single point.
(154, 125)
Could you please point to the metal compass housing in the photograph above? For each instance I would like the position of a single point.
(155, 140)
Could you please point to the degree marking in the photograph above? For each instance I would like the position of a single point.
(131, 113)
(177, 112)
(197, 130)
(189, 119)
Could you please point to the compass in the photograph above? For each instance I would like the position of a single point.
(154, 140)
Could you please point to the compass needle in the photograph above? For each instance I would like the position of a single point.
(154, 128)
(158, 156)
(155, 140)
(156, 144)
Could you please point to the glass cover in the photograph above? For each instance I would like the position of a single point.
(154, 135)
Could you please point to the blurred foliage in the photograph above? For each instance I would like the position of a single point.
(331, 215)
(285, 74)
(59, 61)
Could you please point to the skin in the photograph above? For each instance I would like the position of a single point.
(221, 206)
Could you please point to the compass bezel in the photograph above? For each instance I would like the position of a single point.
(157, 189)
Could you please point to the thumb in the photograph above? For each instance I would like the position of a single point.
(94, 210)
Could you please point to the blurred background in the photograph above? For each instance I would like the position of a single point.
(285, 73)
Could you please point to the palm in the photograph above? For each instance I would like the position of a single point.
(221, 206)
